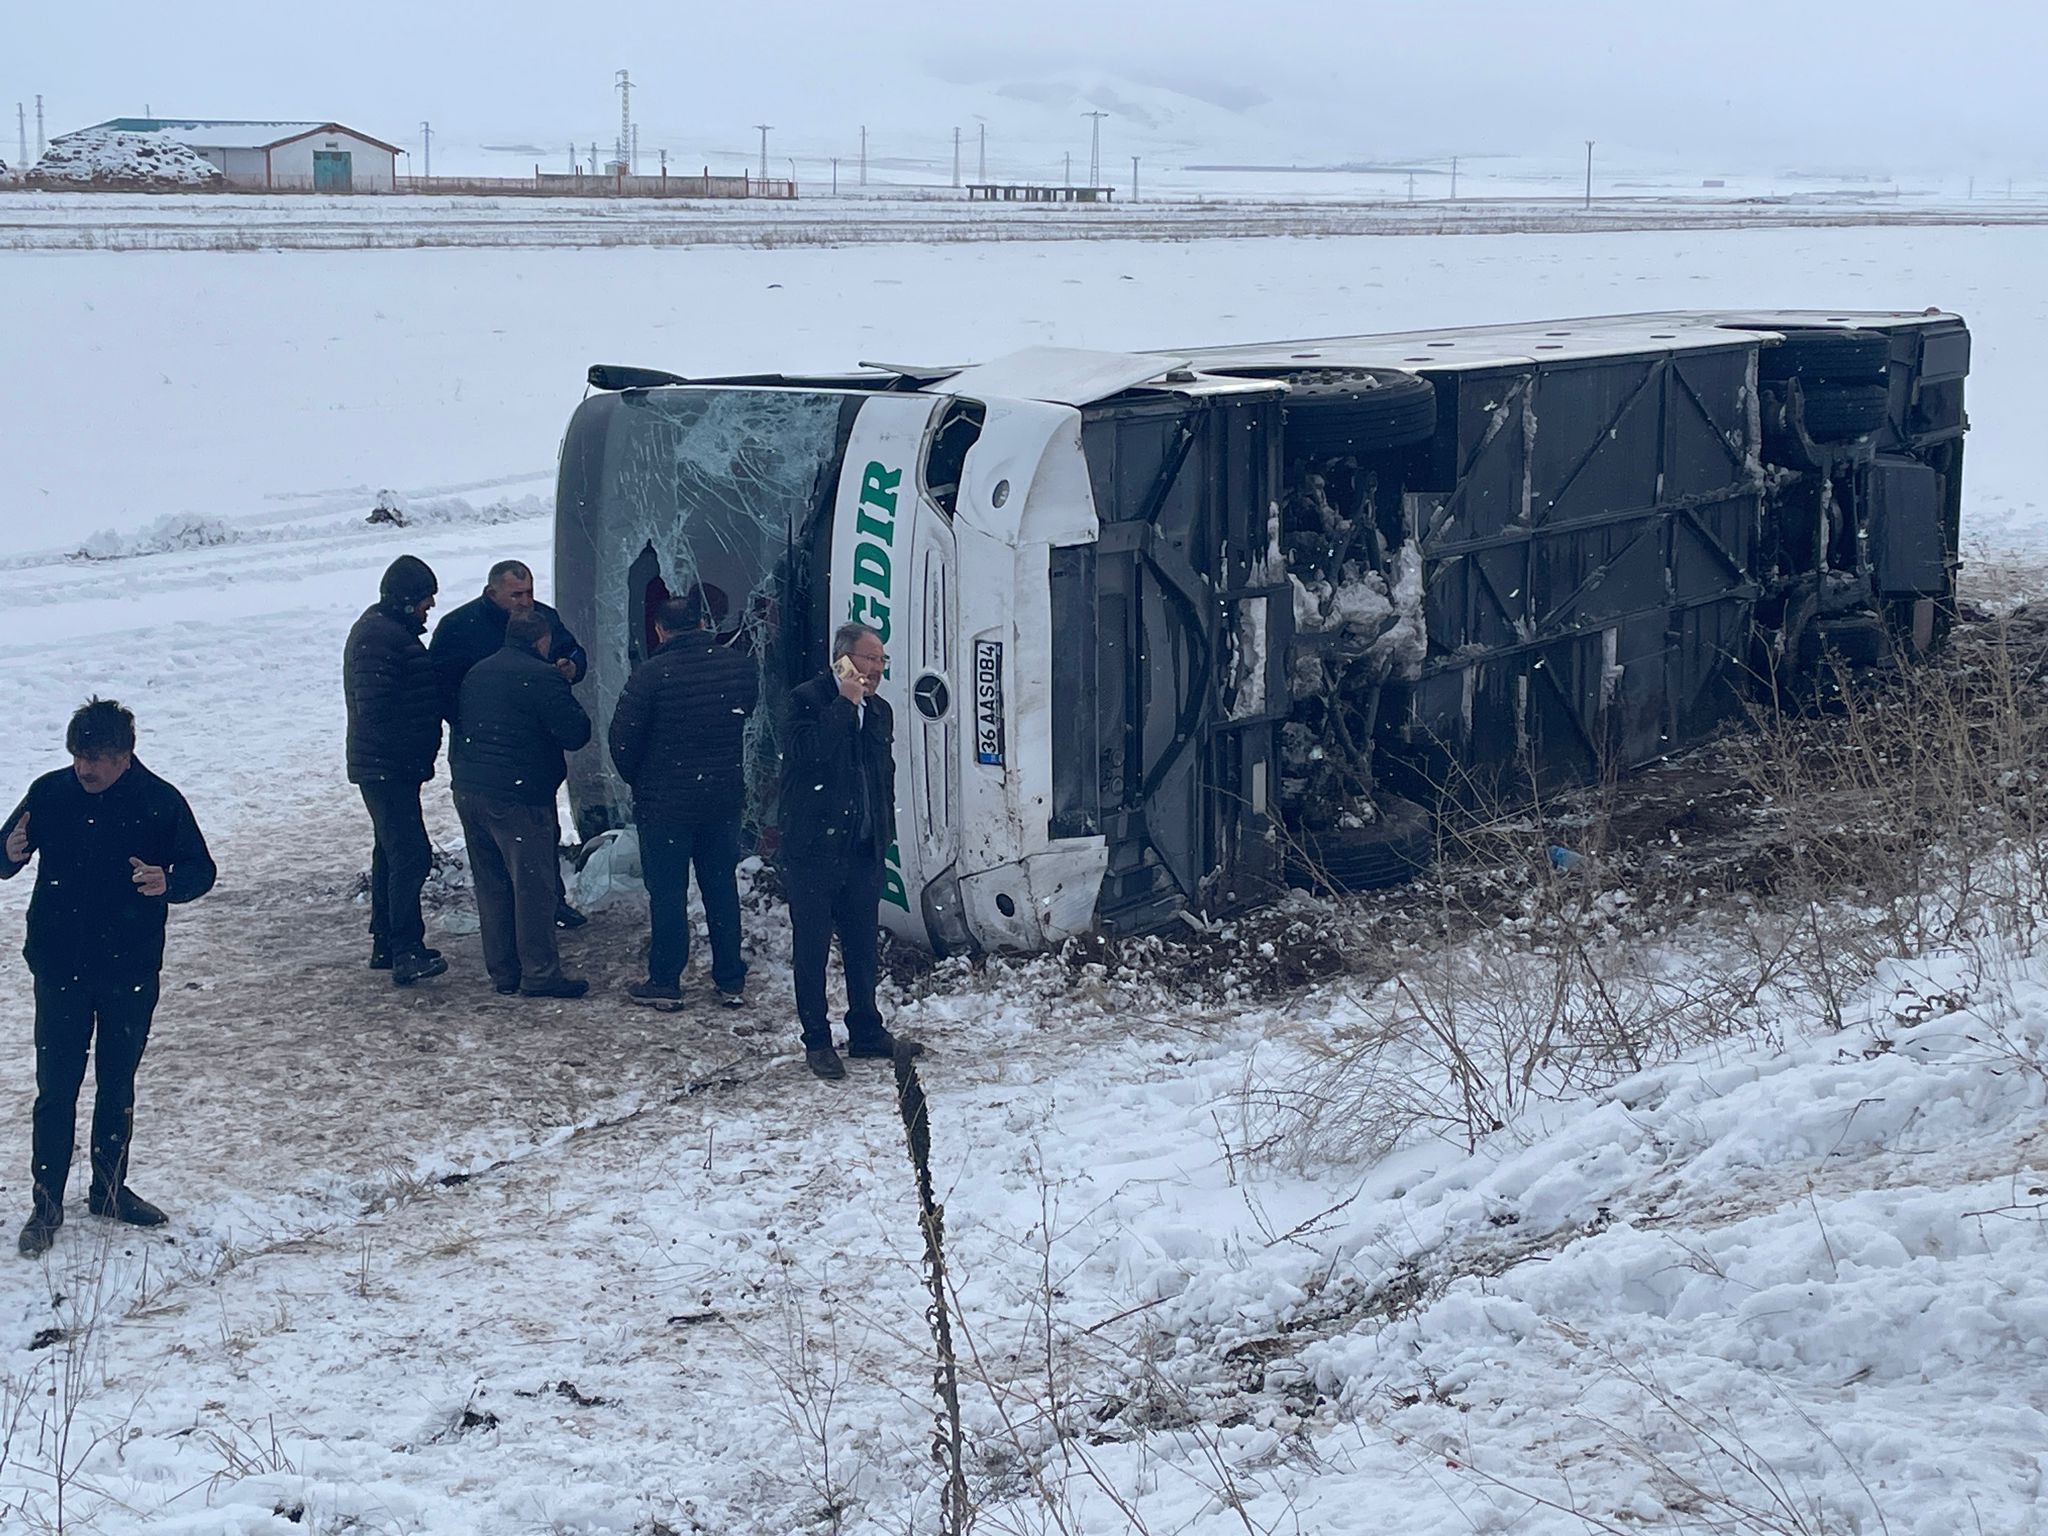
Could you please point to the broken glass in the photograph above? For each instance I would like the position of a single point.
(714, 489)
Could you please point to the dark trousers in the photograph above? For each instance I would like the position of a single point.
(512, 866)
(836, 896)
(67, 1013)
(398, 865)
(667, 852)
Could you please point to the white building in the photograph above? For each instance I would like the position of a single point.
(290, 157)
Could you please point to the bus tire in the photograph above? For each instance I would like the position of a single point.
(1333, 413)
(1395, 848)
(1821, 357)
(1850, 411)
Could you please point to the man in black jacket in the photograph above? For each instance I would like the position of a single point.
(505, 759)
(394, 735)
(466, 635)
(677, 738)
(116, 846)
(838, 821)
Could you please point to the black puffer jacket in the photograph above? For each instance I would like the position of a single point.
(86, 917)
(677, 734)
(466, 635)
(827, 751)
(518, 718)
(394, 706)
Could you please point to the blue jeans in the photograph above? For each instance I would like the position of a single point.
(667, 850)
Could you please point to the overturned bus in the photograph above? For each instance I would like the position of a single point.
(1167, 629)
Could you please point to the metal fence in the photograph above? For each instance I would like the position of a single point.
(616, 184)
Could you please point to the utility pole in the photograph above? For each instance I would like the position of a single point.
(1134, 178)
(835, 175)
(593, 157)
(956, 157)
(1411, 186)
(764, 127)
(1454, 178)
(1095, 149)
(981, 166)
(427, 146)
(574, 169)
(21, 125)
(1589, 175)
(1067, 169)
(42, 144)
(863, 154)
(624, 84)
(633, 160)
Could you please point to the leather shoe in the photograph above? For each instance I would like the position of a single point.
(883, 1046)
(39, 1232)
(125, 1205)
(654, 994)
(417, 966)
(506, 988)
(567, 916)
(561, 986)
(825, 1064)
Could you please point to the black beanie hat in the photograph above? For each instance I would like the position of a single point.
(408, 580)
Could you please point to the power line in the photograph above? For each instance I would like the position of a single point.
(624, 85)
(1095, 149)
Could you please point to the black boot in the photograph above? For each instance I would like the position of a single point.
(39, 1232)
(881, 1045)
(125, 1205)
(417, 966)
(380, 957)
(567, 916)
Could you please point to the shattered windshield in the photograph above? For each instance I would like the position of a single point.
(722, 490)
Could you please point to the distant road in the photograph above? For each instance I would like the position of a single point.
(120, 222)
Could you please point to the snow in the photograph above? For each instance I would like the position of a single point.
(442, 1261)
(104, 157)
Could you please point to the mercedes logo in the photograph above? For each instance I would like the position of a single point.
(931, 696)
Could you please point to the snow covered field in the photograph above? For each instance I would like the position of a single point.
(446, 1262)
(1315, 206)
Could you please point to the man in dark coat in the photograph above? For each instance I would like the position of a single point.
(505, 759)
(838, 815)
(116, 846)
(466, 635)
(394, 735)
(677, 738)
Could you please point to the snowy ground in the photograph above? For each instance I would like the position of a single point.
(447, 1262)
(262, 222)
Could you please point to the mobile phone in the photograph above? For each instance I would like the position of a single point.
(845, 668)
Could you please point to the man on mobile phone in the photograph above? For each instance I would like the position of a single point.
(838, 816)
(115, 847)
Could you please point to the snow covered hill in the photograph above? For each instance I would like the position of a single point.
(104, 159)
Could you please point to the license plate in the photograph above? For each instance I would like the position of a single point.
(988, 702)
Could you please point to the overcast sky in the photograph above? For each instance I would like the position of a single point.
(1895, 85)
